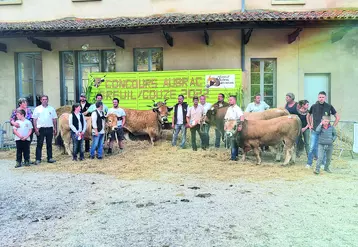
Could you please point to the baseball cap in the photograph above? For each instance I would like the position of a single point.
(83, 95)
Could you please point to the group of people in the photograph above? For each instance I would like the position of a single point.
(191, 117)
(43, 122)
(317, 135)
(98, 113)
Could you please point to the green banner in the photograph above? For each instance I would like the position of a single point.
(137, 90)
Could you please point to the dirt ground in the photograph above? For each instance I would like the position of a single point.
(165, 196)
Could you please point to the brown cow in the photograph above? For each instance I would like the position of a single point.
(266, 115)
(63, 138)
(215, 116)
(147, 122)
(267, 132)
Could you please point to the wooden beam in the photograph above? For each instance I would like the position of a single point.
(247, 36)
(41, 43)
(206, 37)
(3, 47)
(169, 38)
(118, 41)
(293, 36)
(336, 36)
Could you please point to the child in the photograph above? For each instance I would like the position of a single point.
(22, 138)
(326, 136)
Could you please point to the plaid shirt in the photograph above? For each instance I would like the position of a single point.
(28, 115)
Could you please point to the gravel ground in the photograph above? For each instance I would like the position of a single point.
(62, 209)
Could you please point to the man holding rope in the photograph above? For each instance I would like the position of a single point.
(117, 134)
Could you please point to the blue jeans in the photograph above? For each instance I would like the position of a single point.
(97, 143)
(77, 146)
(218, 137)
(234, 148)
(314, 148)
(324, 152)
(177, 129)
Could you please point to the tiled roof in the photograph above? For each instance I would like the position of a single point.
(73, 24)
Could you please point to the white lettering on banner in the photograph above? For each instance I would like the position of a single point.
(220, 81)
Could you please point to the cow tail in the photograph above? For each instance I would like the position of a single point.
(59, 140)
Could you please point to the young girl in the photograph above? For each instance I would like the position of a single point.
(78, 126)
(326, 136)
(22, 138)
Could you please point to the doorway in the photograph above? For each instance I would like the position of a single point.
(315, 83)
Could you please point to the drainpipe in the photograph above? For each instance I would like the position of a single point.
(243, 67)
(242, 40)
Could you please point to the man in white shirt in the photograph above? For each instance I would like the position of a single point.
(257, 105)
(121, 120)
(179, 121)
(234, 112)
(98, 125)
(45, 125)
(206, 127)
(193, 117)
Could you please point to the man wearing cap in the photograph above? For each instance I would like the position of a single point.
(291, 104)
(84, 104)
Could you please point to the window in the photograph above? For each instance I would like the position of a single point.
(263, 80)
(288, 2)
(109, 61)
(148, 59)
(29, 77)
(10, 2)
(76, 67)
(68, 77)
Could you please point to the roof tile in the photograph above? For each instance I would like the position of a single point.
(69, 24)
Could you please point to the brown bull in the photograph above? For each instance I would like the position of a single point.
(215, 116)
(147, 122)
(63, 138)
(267, 132)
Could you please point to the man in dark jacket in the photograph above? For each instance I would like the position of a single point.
(219, 104)
(84, 104)
(84, 107)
